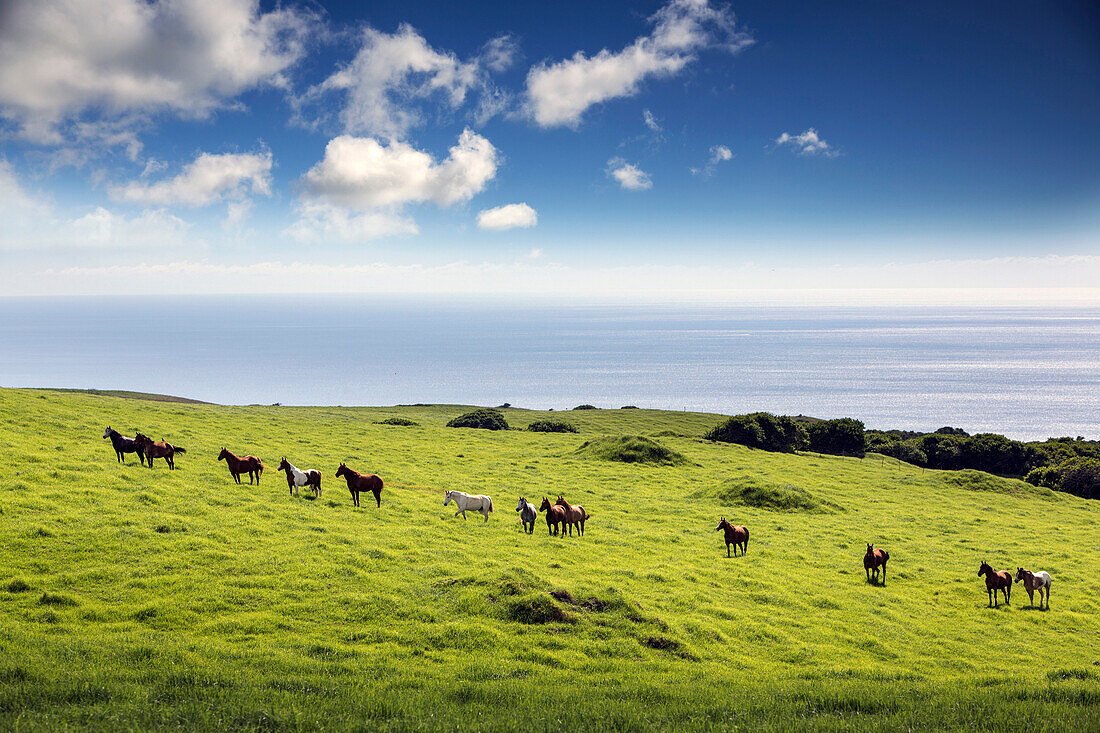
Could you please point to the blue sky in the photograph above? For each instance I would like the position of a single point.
(684, 148)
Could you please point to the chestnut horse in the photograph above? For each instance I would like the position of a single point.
(153, 449)
(555, 516)
(996, 581)
(359, 482)
(1039, 581)
(574, 515)
(251, 465)
(872, 559)
(738, 536)
(123, 445)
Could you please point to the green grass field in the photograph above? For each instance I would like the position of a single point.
(135, 599)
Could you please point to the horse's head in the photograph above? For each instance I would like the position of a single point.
(722, 525)
(521, 504)
(342, 471)
(447, 496)
(283, 465)
(984, 568)
(141, 438)
(107, 432)
(224, 454)
(545, 504)
(561, 501)
(1021, 574)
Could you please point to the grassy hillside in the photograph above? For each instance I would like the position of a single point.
(133, 598)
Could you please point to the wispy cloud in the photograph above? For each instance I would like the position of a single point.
(718, 154)
(807, 143)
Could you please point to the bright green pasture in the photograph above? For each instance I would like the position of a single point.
(136, 598)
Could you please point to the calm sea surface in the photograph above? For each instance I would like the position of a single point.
(1027, 373)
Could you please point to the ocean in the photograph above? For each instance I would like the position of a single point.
(1029, 373)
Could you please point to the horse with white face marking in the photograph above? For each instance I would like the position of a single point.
(473, 502)
(1039, 581)
(296, 478)
(527, 514)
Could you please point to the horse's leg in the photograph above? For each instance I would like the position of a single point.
(884, 573)
(378, 498)
(728, 550)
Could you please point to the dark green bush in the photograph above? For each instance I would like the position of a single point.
(551, 426)
(760, 430)
(403, 421)
(485, 419)
(586, 407)
(840, 437)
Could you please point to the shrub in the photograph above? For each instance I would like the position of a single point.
(760, 430)
(841, 437)
(403, 421)
(551, 426)
(903, 451)
(485, 419)
(629, 407)
(1081, 477)
(630, 449)
(585, 407)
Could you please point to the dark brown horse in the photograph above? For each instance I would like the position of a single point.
(359, 482)
(251, 465)
(153, 449)
(872, 560)
(123, 445)
(736, 535)
(555, 516)
(574, 515)
(996, 581)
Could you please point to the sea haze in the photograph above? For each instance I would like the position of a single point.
(1028, 373)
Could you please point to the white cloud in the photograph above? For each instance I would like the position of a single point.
(363, 173)
(559, 93)
(391, 73)
(103, 228)
(718, 154)
(321, 223)
(511, 216)
(629, 176)
(651, 121)
(117, 60)
(808, 143)
(535, 254)
(208, 179)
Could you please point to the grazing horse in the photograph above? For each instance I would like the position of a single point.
(736, 535)
(574, 515)
(153, 449)
(555, 516)
(361, 482)
(996, 581)
(123, 445)
(1039, 581)
(527, 514)
(872, 559)
(476, 502)
(296, 478)
(251, 465)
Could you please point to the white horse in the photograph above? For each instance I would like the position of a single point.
(474, 502)
(1039, 581)
(527, 514)
(296, 478)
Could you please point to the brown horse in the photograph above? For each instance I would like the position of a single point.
(738, 536)
(153, 449)
(996, 581)
(359, 482)
(251, 465)
(872, 560)
(555, 516)
(574, 515)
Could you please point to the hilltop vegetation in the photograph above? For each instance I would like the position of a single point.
(137, 598)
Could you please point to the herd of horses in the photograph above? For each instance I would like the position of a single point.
(561, 516)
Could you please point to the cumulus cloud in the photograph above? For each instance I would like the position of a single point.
(718, 154)
(512, 216)
(118, 60)
(559, 93)
(358, 189)
(364, 173)
(808, 143)
(629, 176)
(208, 179)
(394, 72)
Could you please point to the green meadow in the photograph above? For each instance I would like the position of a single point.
(135, 598)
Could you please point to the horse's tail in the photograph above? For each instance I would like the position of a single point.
(177, 449)
(587, 516)
(490, 503)
(885, 555)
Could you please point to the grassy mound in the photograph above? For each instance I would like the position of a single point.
(971, 480)
(484, 419)
(751, 491)
(551, 426)
(630, 449)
